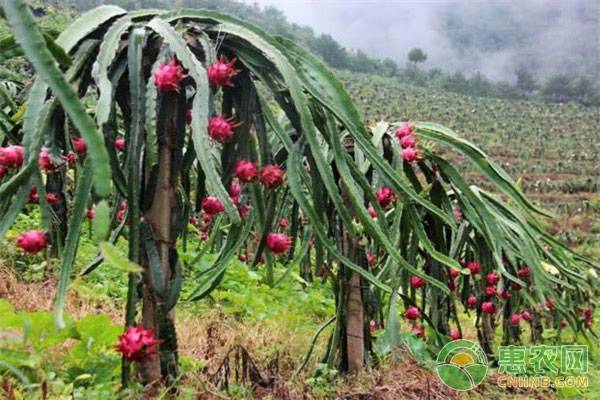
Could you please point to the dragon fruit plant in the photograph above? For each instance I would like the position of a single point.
(204, 119)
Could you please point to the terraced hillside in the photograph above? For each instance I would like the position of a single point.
(554, 149)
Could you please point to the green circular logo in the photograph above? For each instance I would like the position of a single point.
(461, 364)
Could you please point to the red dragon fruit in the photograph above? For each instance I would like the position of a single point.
(278, 243)
(271, 176)
(455, 335)
(137, 343)
(168, 76)
(488, 307)
(417, 282)
(90, 214)
(474, 267)
(52, 198)
(221, 72)
(212, 205)
(418, 330)
(408, 141)
(120, 144)
(11, 156)
(79, 145)
(385, 196)
(515, 319)
(404, 130)
(32, 241)
(45, 161)
(492, 278)
(410, 155)
(527, 316)
(246, 171)
(412, 313)
(220, 129)
(472, 301)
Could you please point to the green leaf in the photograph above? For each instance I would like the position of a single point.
(101, 222)
(117, 260)
(84, 187)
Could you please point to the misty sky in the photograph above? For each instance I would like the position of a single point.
(565, 30)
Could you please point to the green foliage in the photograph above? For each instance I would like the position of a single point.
(30, 341)
(417, 55)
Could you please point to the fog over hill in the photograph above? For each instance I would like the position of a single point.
(493, 37)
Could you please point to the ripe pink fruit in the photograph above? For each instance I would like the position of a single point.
(221, 72)
(408, 141)
(418, 330)
(417, 282)
(79, 145)
(32, 241)
(491, 291)
(563, 323)
(283, 223)
(137, 343)
(211, 205)
(271, 176)
(90, 213)
(454, 273)
(235, 190)
(549, 304)
(120, 144)
(523, 272)
(515, 319)
(278, 243)
(371, 259)
(527, 316)
(455, 335)
(121, 215)
(242, 257)
(492, 278)
(474, 267)
(34, 197)
(472, 301)
(71, 158)
(505, 295)
(457, 214)
(245, 171)
(168, 76)
(488, 307)
(11, 156)
(404, 130)
(51, 198)
(385, 196)
(410, 154)
(372, 212)
(373, 326)
(203, 236)
(244, 211)
(45, 161)
(220, 129)
(412, 313)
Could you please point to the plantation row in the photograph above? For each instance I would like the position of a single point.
(553, 149)
(194, 131)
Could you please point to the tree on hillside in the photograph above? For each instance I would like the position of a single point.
(331, 51)
(525, 80)
(417, 55)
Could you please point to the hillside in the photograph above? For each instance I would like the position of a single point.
(554, 149)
